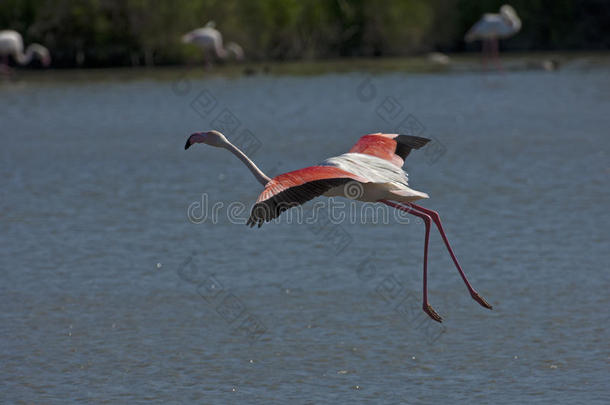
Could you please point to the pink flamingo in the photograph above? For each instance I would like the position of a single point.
(209, 39)
(492, 27)
(11, 44)
(371, 171)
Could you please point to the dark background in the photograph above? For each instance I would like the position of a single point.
(92, 33)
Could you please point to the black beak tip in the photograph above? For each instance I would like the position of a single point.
(187, 145)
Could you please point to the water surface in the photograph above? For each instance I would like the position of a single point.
(109, 293)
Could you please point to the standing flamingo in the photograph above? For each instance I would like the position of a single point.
(11, 44)
(209, 39)
(373, 166)
(492, 27)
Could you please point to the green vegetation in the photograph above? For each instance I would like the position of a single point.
(145, 32)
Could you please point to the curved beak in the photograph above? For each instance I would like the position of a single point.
(192, 139)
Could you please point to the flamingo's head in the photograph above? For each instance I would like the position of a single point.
(507, 10)
(212, 138)
(510, 15)
(235, 51)
(42, 53)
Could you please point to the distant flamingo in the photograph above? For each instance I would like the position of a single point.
(11, 44)
(438, 58)
(492, 27)
(371, 171)
(209, 39)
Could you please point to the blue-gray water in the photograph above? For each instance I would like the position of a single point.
(95, 186)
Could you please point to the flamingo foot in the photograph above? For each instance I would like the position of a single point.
(475, 295)
(432, 313)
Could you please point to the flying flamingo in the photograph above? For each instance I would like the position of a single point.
(492, 27)
(372, 167)
(11, 44)
(209, 39)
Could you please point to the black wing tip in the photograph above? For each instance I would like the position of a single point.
(259, 215)
(411, 141)
(254, 222)
(406, 143)
(273, 207)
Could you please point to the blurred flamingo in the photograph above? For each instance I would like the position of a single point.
(492, 27)
(438, 58)
(11, 44)
(209, 40)
(371, 171)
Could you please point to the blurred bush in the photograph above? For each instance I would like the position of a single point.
(145, 32)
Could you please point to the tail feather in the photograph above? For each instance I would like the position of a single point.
(407, 195)
(406, 143)
(414, 142)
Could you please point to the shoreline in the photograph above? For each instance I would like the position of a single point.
(421, 64)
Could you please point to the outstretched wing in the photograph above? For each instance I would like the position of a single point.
(392, 147)
(295, 188)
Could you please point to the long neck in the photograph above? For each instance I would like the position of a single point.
(24, 59)
(221, 52)
(260, 176)
(513, 21)
(516, 24)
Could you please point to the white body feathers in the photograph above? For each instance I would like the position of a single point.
(386, 180)
(492, 26)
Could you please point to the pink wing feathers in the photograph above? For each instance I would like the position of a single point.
(295, 188)
(391, 147)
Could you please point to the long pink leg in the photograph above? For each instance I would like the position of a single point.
(426, 307)
(437, 221)
(484, 47)
(496, 54)
(4, 68)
